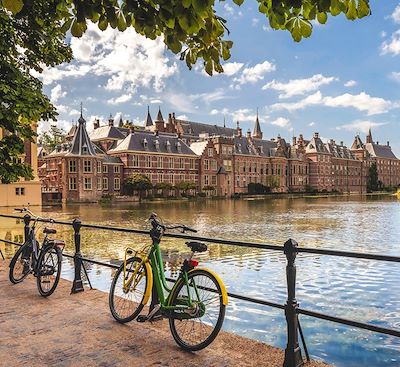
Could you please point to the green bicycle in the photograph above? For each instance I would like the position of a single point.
(195, 305)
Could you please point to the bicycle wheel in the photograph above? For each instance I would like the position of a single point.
(126, 304)
(196, 327)
(49, 270)
(20, 265)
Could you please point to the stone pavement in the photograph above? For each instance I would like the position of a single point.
(78, 330)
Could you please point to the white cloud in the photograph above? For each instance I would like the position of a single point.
(395, 75)
(182, 117)
(311, 124)
(281, 121)
(74, 112)
(254, 21)
(313, 99)
(121, 99)
(392, 46)
(231, 68)
(350, 83)
(127, 59)
(255, 73)
(299, 86)
(242, 114)
(229, 10)
(362, 102)
(56, 93)
(396, 14)
(360, 126)
(155, 101)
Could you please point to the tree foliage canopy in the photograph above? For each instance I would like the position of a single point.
(51, 138)
(32, 34)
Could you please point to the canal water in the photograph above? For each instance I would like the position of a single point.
(363, 290)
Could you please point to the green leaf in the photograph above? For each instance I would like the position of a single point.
(186, 3)
(351, 10)
(335, 8)
(14, 6)
(306, 28)
(238, 2)
(76, 29)
(103, 23)
(322, 17)
(121, 23)
(363, 8)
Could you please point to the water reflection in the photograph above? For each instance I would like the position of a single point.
(356, 289)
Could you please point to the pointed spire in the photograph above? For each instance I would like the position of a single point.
(121, 122)
(81, 144)
(369, 137)
(159, 115)
(224, 122)
(257, 133)
(81, 120)
(149, 121)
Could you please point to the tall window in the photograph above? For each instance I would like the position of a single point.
(206, 164)
(214, 164)
(181, 163)
(72, 166)
(135, 161)
(117, 184)
(87, 183)
(210, 152)
(87, 166)
(105, 183)
(159, 162)
(72, 184)
(206, 180)
(105, 168)
(213, 180)
(147, 162)
(99, 183)
(191, 164)
(98, 167)
(117, 169)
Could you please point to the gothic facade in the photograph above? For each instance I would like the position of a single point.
(216, 159)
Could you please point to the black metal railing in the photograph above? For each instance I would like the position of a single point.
(293, 355)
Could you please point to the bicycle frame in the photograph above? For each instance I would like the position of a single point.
(152, 260)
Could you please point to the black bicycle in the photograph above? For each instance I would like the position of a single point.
(44, 261)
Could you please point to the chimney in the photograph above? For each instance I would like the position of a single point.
(294, 140)
(377, 143)
(110, 121)
(248, 134)
(238, 130)
(341, 143)
(173, 116)
(388, 143)
(301, 137)
(316, 135)
(96, 124)
(331, 141)
(169, 118)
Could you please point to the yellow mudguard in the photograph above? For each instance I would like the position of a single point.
(220, 282)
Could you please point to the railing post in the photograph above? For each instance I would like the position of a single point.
(27, 220)
(293, 357)
(77, 285)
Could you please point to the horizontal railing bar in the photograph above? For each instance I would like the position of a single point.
(357, 324)
(318, 315)
(358, 255)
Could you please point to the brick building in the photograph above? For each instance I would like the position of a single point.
(218, 160)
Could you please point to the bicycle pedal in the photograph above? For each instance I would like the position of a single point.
(141, 318)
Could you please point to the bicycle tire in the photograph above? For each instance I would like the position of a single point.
(208, 301)
(26, 264)
(42, 277)
(116, 296)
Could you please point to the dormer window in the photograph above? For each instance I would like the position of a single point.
(145, 143)
(179, 147)
(168, 144)
(239, 148)
(157, 144)
(261, 149)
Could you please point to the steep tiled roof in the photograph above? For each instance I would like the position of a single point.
(197, 128)
(380, 151)
(146, 141)
(108, 133)
(316, 145)
(112, 160)
(149, 121)
(242, 146)
(357, 144)
(339, 151)
(81, 144)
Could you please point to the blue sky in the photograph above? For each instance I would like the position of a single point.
(341, 81)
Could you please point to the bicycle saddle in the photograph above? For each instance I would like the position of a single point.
(49, 230)
(197, 246)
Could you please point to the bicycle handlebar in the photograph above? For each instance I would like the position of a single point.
(36, 217)
(155, 223)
